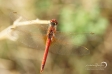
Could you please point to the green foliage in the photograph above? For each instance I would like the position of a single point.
(81, 21)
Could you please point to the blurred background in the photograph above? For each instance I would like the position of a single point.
(74, 16)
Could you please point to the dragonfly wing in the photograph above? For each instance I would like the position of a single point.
(66, 44)
(61, 45)
(68, 49)
(26, 37)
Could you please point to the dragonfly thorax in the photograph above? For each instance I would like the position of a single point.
(50, 35)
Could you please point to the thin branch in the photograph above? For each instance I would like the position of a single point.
(7, 33)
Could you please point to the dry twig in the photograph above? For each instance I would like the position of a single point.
(6, 33)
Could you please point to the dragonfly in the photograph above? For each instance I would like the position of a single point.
(50, 37)
(31, 37)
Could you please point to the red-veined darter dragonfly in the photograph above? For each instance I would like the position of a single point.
(34, 36)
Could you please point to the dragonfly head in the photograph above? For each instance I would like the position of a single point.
(53, 22)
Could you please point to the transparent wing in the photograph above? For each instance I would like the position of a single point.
(26, 37)
(68, 44)
(62, 44)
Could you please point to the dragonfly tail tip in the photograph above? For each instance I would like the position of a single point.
(42, 68)
(41, 71)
